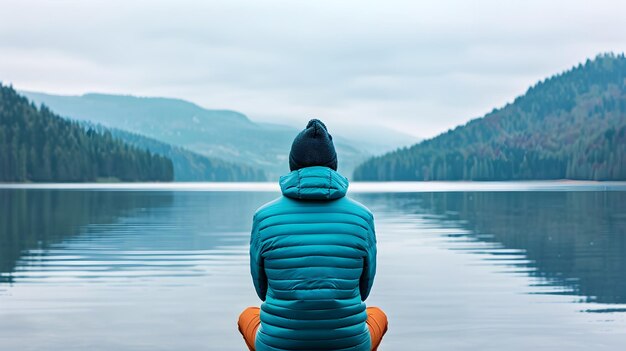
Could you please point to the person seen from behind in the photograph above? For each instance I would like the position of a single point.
(313, 259)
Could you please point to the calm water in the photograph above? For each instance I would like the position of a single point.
(124, 269)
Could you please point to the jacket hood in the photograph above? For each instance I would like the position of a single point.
(314, 183)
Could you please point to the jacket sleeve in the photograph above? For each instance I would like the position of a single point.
(369, 267)
(256, 262)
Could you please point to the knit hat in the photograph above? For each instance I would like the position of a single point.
(313, 147)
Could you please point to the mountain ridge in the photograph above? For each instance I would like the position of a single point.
(222, 134)
(188, 165)
(558, 129)
(38, 145)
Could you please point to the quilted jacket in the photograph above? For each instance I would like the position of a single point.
(313, 261)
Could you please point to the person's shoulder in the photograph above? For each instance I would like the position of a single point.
(357, 204)
(270, 208)
(358, 208)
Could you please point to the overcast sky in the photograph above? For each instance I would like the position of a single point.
(415, 66)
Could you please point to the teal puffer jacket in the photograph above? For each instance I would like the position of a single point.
(313, 261)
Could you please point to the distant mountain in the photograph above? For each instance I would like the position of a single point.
(572, 125)
(188, 166)
(223, 134)
(38, 146)
(373, 139)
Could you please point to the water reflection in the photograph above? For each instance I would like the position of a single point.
(168, 270)
(573, 240)
(34, 221)
(87, 236)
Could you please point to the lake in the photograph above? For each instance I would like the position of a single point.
(461, 266)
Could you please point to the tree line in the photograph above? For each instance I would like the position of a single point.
(571, 125)
(37, 145)
(188, 165)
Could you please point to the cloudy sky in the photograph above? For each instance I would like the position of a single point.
(419, 67)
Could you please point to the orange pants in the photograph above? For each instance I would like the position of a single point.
(250, 320)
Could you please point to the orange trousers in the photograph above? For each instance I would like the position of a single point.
(250, 320)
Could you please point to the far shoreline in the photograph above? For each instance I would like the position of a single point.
(355, 187)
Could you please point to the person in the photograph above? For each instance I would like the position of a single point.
(313, 259)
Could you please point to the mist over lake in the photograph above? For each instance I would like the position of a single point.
(538, 266)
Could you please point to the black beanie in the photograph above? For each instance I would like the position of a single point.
(313, 147)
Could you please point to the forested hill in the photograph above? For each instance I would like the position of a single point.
(217, 134)
(37, 145)
(569, 126)
(188, 166)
